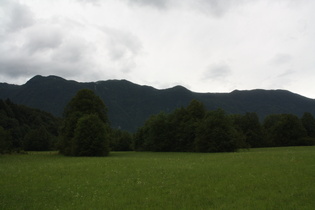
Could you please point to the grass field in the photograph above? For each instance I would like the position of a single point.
(271, 178)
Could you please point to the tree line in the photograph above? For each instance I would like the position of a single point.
(193, 129)
(84, 130)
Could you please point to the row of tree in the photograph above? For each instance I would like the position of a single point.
(193, 129)
(85, 130)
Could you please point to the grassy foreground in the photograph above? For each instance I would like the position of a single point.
(273, 178)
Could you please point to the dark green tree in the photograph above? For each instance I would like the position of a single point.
(216, 133)
(65, 144)
(183, 124)
(269, 124)
(155, 135)
(250, 127)
(38, 140)
(84, 104)
(308, 122)
(140, 139)
(171, 132)
(196, 110)
(157, 138)
(284, 130)
(91, 137)
(182, 130)
(121, 141)
(5, 141)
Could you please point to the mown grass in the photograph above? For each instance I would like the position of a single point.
(272, 178)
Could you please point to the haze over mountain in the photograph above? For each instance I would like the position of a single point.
(129, 104)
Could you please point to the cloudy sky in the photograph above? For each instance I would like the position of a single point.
(204, 45)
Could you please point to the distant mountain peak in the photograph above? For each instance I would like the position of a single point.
(40, 78)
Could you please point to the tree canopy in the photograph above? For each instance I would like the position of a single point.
(216, 133)
(85, 131)
(193, 129)
(189, 129)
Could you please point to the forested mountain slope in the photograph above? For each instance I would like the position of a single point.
(129, 104)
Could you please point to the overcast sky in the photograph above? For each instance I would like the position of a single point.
(204, 45)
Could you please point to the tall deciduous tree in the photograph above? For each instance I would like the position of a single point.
(79, 133)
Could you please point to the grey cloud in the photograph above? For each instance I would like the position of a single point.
(73, 50)
(161, 4)
(44, 37)
(286, 73)
(213, 7)
(122, 47)
(89, 1)
(93, 2)
(17, 65)
(216, 8)
(14, 66)
(47, 46)
(19, 16)
(281, 59)
(128, 65)
(47, 50)
(217, 72)
(121, 43)
(282, 79)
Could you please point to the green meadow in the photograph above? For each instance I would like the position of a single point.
(267, 178)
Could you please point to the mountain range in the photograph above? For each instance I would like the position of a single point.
(130, 105)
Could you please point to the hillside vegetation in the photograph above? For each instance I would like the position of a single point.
(24, 128)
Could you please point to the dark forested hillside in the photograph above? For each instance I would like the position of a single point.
(130, 105)
(24, 128)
